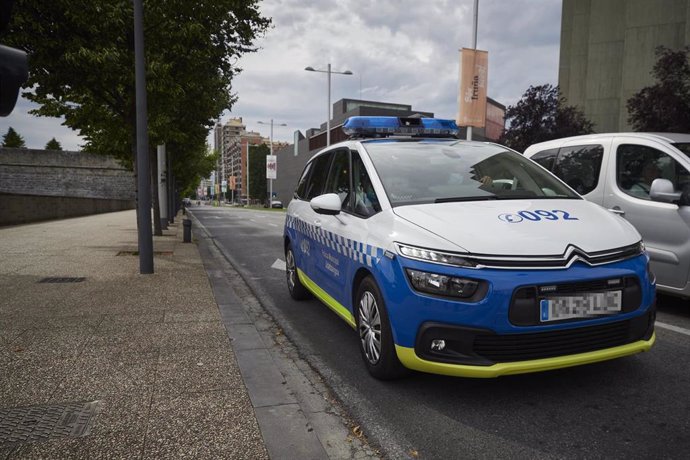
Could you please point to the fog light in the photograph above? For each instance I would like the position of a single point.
(438, 345)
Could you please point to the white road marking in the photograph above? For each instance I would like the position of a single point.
(272, 225)
(673, 328)
(279, 264)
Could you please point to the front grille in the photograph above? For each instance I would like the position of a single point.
(521, 347)
(482, 347)
(571, 255)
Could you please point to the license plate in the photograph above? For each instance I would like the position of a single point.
(581, 306)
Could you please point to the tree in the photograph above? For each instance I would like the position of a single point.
(541, 115)
(53, 144)
(664, 106)
(257, 172)
(12, 139)
(82, 68)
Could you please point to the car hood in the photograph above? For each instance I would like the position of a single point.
(522, 227)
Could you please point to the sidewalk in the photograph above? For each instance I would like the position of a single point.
(101, 362)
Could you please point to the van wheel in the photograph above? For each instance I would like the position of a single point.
(295, 286)
(375, 336)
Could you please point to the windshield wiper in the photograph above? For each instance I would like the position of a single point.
(465, 198)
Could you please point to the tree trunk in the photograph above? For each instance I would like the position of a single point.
(153, 161)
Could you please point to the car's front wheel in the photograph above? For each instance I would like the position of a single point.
(375, 335)
(295, 286)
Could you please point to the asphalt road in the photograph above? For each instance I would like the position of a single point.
(634, 407)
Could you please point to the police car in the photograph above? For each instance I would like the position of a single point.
(463, 258)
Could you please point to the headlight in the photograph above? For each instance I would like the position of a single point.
(430, 255)
(443, 285)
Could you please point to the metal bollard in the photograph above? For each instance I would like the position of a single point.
(187, 235)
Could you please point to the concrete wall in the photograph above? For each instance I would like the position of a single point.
(39, 185)
(607, 52)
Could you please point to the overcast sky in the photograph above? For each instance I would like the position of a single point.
(400, 51)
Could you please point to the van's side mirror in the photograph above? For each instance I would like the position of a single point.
(662, 190)
(328, 204)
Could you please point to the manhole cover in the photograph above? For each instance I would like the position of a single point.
(63, 279)
(36, 423)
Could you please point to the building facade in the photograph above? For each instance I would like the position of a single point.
(232, 141)
(608, 51)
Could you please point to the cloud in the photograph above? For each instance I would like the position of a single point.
(403, 51)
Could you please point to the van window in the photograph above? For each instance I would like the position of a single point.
(339, 178)
(638, 165)
(301, 190)
(579, 166)
(546, 158)
(366, 201)
(317, 180)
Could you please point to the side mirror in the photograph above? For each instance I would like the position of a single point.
(662, 190)
(328, 204)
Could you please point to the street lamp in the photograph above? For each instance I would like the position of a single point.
(270, 196)
(328, 113)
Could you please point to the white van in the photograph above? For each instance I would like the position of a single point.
(644, 178)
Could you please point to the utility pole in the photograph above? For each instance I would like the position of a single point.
(145, 237)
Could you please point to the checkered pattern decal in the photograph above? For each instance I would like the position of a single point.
(363, 253)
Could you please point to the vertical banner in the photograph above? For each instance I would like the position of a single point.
(474, 71)
(232, 182)
(271, 167)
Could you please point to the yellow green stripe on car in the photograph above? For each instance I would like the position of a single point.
(409, 359)
(330, 302)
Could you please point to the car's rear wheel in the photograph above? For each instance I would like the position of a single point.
(295, 286)
(375, 335)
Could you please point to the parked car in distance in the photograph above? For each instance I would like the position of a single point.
(642, 177)
(277, 204)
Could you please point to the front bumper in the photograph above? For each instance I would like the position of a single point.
(409, 359)
(486, 339)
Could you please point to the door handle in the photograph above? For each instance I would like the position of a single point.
(617, 210)
(317, 223)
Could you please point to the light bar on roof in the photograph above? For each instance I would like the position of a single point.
(398, 126)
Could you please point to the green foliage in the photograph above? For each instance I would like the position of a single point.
(542, 115)
(53, 144)
(82, 67)
(664, 106)
(12, 139)
(257, 172)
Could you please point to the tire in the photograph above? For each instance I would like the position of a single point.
(374, 329)
(295, 286)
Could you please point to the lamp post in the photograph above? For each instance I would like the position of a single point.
(270, 196)
(328, 113)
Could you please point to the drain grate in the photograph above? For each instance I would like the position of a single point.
(37, 423)
(63, 279)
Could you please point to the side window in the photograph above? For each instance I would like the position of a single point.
(301, 190)
(579, 166)
(366, 201)
(339, 178)
(317, 179)
(638, 165)
(546, 158)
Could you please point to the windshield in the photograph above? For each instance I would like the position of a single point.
(437, 172)
(683, 147)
